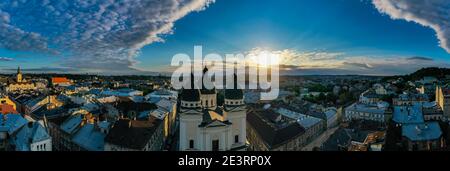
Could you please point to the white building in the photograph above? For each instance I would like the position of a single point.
(369, 97)
(204, 126)
(360, 111)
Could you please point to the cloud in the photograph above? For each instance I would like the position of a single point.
(430, 13)
(293, 62)
(98, 34)
(307, 59)
(420, 58)
(361, 65)
(6, 59)
(369, 65)
(44, 69)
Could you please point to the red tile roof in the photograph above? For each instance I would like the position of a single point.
(60, 80)
(7, 109)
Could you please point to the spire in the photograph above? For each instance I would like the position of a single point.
(18, 70)
(192, 81)
(205, 69)
(235, 81)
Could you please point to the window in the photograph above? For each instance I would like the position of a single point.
(44, 146)
(191, 144)
(206, 104)
(215, 145)
(236, 138)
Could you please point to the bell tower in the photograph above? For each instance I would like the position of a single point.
(19, 75)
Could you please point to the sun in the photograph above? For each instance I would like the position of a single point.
(264, 58)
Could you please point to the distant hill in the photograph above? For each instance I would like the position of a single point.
(439, 73)
(426, 72)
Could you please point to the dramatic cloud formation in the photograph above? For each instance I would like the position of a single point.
(430, 13)
(96, 34)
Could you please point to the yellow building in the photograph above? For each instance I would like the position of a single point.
(20, 83)
(443, 99)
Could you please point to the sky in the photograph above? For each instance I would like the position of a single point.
(367, 37)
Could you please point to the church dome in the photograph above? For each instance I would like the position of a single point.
(190, 95)
(235, 93)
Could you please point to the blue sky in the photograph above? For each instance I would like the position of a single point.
(321, 36)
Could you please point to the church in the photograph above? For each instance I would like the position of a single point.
(19, 83)
(205, 126)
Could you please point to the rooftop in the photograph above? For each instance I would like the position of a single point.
(272, 134)
(11, 123)
(304, 120)
(408, 114)
(422, 131)
(33, 132)
(72, 123)
(132, 134)
(58, 80)
(359, 107)
(413, 97)
(7, 109)
(90, 138)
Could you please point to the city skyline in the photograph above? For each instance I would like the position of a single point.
(360, 37)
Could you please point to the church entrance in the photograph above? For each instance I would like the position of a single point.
(215, 145)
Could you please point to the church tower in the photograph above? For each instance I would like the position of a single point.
(236, 113)
(208, 97)
(19, 75)
(190, 116)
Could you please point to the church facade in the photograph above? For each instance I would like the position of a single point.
(205, 126)
(20, 83)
